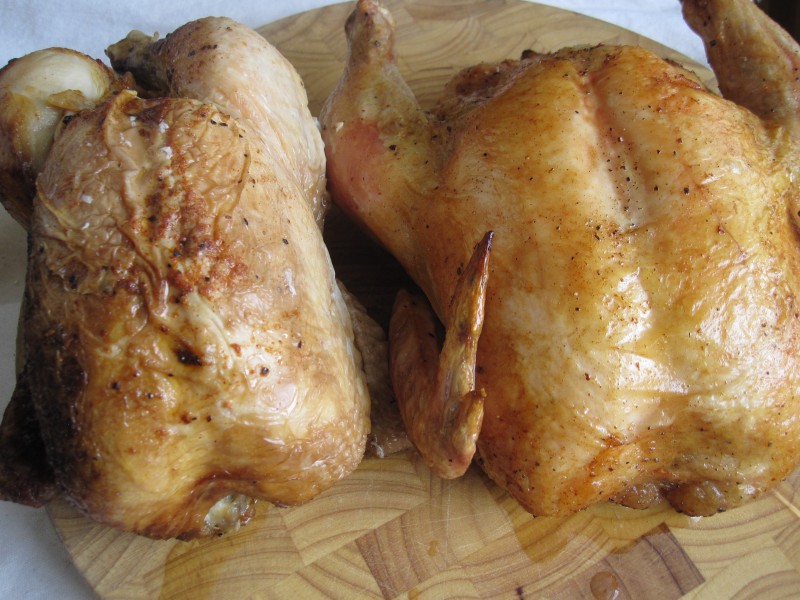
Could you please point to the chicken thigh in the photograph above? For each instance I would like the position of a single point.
(612, 250)
(187, 346)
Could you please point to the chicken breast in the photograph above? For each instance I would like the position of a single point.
(612, 250)
(187, 347)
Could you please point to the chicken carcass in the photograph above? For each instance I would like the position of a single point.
(612, 250)
(187, 346)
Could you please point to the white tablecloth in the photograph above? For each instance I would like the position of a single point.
(33, 562)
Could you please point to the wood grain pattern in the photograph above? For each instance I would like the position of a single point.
(392, 529)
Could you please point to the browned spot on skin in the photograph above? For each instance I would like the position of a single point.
(187, 357)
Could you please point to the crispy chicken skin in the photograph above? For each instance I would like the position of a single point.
(219, 61)
(618, 242)
(187, 346)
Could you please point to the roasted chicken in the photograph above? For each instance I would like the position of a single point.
(187, 347)
(612, 250)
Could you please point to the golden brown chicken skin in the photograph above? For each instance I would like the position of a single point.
(612, 250)
(187, 347)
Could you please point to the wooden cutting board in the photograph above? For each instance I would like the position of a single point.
(392, 530)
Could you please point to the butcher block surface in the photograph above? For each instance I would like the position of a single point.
(392, 529)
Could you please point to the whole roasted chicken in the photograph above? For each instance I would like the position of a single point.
(187, 348)
(612, 250)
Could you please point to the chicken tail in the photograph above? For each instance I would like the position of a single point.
(440, 405)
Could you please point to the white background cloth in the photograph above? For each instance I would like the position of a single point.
(33, 562)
